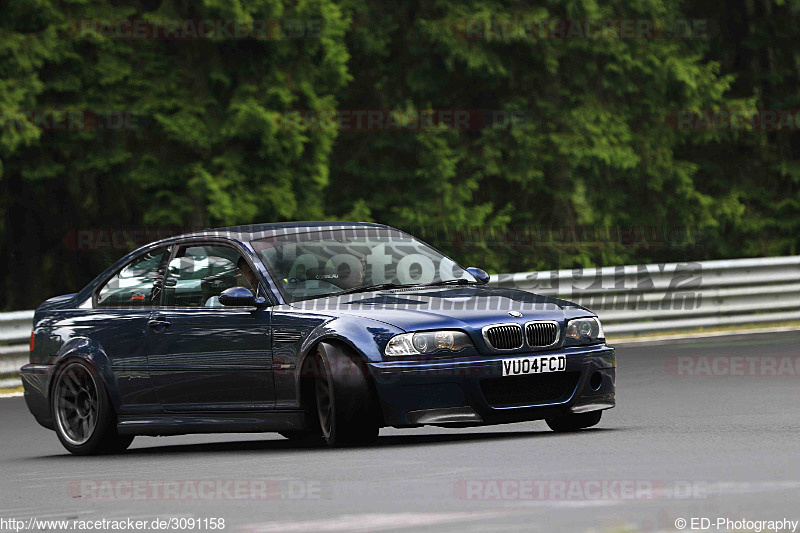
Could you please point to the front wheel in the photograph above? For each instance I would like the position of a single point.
(346, 405)
(85, 421)
(567, 423)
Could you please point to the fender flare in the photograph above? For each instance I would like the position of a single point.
(332, 345)
(88, 351)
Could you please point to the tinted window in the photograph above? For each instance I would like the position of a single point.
(137, 284)
(198, 274)
(322, 263)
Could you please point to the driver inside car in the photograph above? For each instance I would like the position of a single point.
(244, 277)
(349, 274)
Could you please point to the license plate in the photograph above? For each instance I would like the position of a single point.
(521, 366)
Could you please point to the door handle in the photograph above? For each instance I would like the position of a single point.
(158, 323)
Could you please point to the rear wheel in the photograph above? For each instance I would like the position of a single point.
(574, 422)
(85, 421)
(345, 403)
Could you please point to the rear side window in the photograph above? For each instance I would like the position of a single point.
(137, 284)
(198, 274)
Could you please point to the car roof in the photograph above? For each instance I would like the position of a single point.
(260, 231)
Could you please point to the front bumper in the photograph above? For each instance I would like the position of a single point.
(36, 382)
(448, 392)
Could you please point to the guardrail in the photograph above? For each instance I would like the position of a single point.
(670, 297)
(15, 333)
(630, 300)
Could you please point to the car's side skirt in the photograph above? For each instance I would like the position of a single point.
(184, 423)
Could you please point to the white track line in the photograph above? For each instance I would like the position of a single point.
(700, 335)
(363, 523)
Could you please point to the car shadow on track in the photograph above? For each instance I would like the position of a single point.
(451, 438)
(387, 441)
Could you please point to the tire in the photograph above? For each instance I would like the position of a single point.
(346, 406)
(564, 424)
(84, 417)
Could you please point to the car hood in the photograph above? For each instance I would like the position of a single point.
(471, 307)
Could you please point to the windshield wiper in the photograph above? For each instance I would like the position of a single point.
(458, 281)
(384, 286)
(375, 287)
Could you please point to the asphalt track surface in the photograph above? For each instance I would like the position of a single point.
(686, 440)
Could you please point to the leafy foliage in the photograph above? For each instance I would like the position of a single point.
(577, 164)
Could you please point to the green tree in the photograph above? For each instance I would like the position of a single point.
(592, 146)
(198, 132)
(170, 132)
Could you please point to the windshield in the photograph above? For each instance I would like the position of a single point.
(323, 263)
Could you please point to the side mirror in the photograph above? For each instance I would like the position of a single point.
(238, 297)
(479, 274)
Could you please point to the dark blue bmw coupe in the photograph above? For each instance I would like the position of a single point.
(316, 330)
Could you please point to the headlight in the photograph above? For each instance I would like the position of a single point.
(427, 342)
(584, 331)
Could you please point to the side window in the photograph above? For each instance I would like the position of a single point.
(137, 284)
(198, 274)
